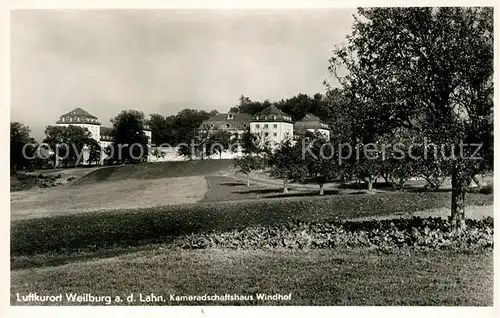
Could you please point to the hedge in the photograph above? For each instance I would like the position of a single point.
(122, 228)
(386, 235)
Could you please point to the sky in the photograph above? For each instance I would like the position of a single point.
(162, 61)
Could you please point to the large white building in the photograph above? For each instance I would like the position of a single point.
(234, 123)
(272, 125)
(81, 118)
(312, 124)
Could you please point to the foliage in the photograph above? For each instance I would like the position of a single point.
(255, 144)
(94, 149)
(385, 235)
(297, 106)
(179, 128)
(68, 144)
(130, 143)
(487, 189)
(429, 70)
(287, 163)
(217, 142)
(249, 163)
(19, 139)
(196, 147)
(157, 153)
(246, 105)
(320, 156)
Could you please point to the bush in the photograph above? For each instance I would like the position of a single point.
(487, 189)
(91, 231)
(427, 234)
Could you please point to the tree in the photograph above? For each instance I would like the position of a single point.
(321, 160)
(396, 168)
(246, 105)
(296, 106)
(157, 153)
(196, 148)
(287, 163)
(217, 142)
(429, 70)
(94, 150)
(247, 164)
(160, 127)
(19, 140)
(130, 143)
(179, 128)
(68, 144)
(255, 144)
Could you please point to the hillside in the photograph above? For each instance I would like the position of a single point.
(158, 170)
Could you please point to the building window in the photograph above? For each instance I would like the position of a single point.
(244, 125)
(275, 126)
(274, 117)
(227, 125)
(229, 116)
(257, 117)
(257, 126)
(275, 134)
(266, 134)
(211, 125)
(71, 119)
(266, 126)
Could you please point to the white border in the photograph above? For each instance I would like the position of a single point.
(253, 311)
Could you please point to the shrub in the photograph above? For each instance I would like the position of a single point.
(487, 189)
(429, 233)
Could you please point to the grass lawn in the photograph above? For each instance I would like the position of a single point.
(314, 277)
(104, 196)
(95, 230)
(156, 170)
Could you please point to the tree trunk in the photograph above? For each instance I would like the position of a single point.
(321, 189)
(387, 178)
(248, 180)
(370, 185)
(457, 202)
(285, 185)
(401, 183)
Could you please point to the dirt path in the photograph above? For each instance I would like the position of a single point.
(261, 179)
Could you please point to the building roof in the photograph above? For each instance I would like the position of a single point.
(272, 114)
(228, 121)
(309, 121)
(78, 116)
